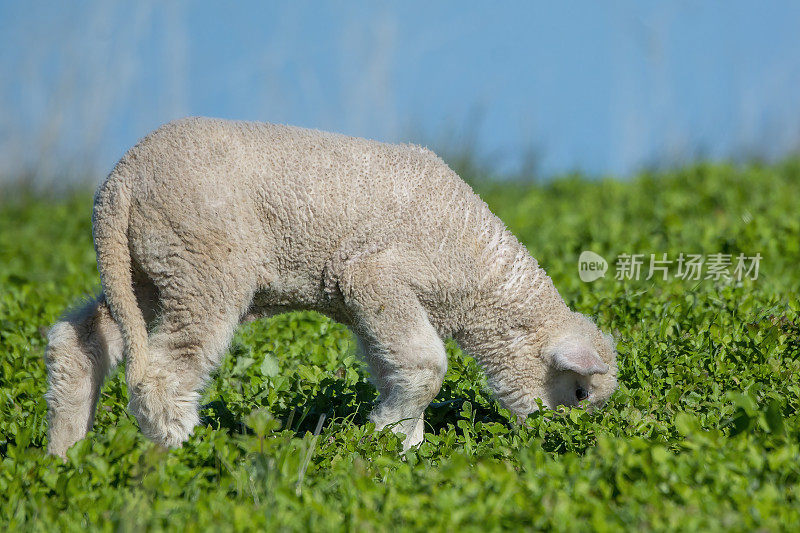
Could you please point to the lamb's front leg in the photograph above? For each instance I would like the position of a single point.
(407, 363)
(406, 356)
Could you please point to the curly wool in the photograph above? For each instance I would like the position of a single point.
(206, 222)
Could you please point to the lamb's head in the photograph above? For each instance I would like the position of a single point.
(581, 365)
(570, 363)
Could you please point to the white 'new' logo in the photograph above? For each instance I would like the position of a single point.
(591, 266)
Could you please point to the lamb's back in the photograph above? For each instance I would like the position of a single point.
(305, 194)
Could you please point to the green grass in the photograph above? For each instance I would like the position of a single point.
(702, 434)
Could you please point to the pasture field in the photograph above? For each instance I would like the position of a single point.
(703, 433)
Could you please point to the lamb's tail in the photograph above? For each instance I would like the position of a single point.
(110, 218)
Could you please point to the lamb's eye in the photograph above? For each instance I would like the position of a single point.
(581, 394)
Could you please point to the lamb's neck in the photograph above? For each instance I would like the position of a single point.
(515, 303)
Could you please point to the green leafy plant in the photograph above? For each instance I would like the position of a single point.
(703, 432)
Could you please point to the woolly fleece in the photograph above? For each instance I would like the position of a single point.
(207, 222)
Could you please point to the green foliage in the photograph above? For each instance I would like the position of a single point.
(703, 433)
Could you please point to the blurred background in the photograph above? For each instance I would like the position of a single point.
(530, 90)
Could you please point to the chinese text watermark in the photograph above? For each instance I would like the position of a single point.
(690, 267)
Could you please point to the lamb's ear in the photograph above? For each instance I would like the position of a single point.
(577, 355)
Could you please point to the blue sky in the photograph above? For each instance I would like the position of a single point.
(602, 87)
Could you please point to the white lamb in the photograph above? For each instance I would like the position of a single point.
(207, 221)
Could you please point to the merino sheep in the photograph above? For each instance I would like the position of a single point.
(207, 221)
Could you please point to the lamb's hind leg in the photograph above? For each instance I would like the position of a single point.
(405, 354)
(196, 324)
(84, 346)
